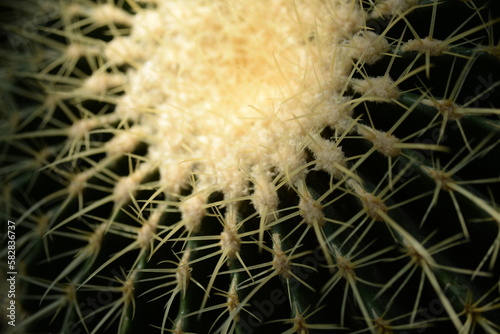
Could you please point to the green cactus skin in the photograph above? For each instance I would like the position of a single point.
(252, 167)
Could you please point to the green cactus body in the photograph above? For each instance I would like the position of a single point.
(252, 166)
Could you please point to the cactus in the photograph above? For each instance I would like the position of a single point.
(242, 166)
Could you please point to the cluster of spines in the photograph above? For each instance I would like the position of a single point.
(274, 228)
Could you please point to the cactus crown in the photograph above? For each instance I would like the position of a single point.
(235, 166)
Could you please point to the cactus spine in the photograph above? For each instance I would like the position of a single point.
(243, 166)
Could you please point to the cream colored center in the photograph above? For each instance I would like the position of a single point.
(225, 87)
